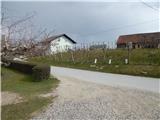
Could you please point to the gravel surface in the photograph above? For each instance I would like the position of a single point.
(81, 100)
(143, 83)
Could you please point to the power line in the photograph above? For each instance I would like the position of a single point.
(121, 27)
(149, 6)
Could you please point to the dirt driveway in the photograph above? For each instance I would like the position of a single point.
(82, 100)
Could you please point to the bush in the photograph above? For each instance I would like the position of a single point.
(41, 72)
(22, 67)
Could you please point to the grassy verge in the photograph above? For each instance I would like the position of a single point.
(136, 70)
(143, 62)
(23, 110)
(22, 84)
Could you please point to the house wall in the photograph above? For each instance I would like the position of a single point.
(61, 44)
(143, 40)
(121, 45)
(140, 45)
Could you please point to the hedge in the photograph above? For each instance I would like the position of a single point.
(39, 72)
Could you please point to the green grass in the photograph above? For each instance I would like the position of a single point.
(22, 84)
(137, 56)
(23, 110)
(136, 70)
(143, 62)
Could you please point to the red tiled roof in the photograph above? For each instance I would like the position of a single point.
(134, 38)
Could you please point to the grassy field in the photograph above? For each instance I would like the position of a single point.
(22, 84)
(142, 62)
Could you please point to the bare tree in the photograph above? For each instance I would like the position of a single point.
(20, 34)
(15, 32)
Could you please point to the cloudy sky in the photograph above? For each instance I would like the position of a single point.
(90, 21)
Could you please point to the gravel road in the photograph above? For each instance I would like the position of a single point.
(144, 83)
(83, 100)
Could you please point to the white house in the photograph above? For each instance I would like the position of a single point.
(58, 43)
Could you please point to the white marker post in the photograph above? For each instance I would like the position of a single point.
(95, 61)
(126, 61)
(110, 61)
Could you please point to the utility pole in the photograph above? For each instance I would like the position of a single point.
(129, 46)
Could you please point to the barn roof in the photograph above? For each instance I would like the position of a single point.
(48, 40)
(135, 38)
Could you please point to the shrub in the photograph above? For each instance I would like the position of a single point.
(24, 67)
(41, 72)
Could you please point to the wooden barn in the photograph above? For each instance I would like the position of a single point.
(142, 40)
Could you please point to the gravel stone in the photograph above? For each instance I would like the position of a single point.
(80, 100)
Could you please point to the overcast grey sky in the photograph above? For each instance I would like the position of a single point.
(90, 21)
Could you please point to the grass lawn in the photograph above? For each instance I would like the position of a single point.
(22, 84)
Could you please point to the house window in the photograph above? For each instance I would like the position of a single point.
(58, 39)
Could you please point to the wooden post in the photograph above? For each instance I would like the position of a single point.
(72, 57)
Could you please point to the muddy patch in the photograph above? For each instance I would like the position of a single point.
(10, 98)
(52, 94)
